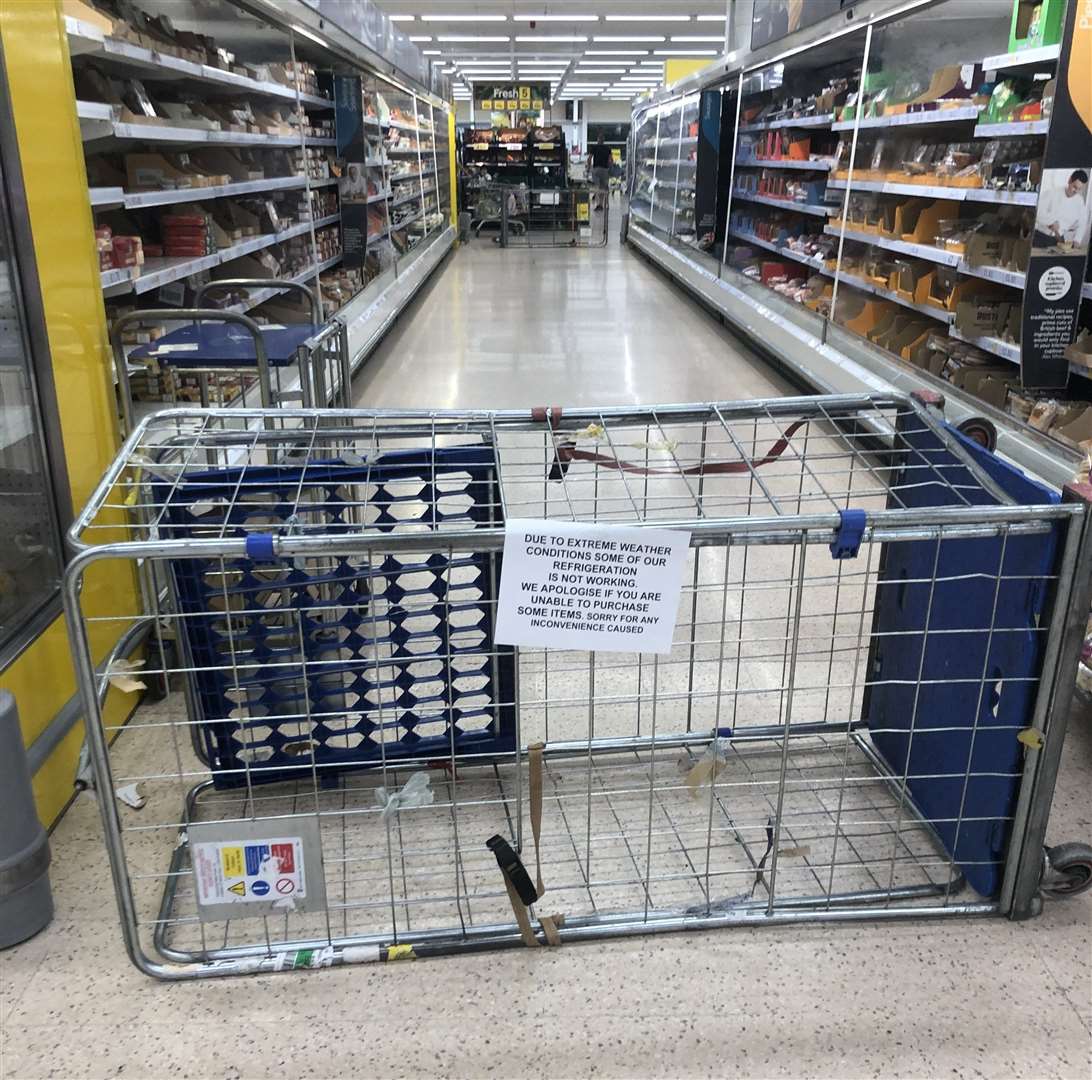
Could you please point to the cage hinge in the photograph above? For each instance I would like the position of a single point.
(259, 547)
(848, 536)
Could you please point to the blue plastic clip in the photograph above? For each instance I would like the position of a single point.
(259, 547)
(847, 541)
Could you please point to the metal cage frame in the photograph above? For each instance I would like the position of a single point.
(694, 463)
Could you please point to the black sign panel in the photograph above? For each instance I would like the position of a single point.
(352, 150)
(1063, 215)
(705, 179)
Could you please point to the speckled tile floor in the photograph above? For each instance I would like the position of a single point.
(957, 998)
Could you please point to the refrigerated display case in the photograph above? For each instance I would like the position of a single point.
(876, 198)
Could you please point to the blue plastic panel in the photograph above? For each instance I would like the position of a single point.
(345, 661)
(935, 727)
(229, 345)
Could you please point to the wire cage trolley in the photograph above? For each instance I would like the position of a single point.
(225, 350)
(561, 217)
(860, 716)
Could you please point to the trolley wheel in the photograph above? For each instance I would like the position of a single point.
(1067, 869)
(981, 430)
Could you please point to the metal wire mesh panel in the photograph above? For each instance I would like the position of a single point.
(827, 737)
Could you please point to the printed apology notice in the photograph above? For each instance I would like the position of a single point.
(566, 585)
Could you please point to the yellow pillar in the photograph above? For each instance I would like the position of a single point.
(47, 130)
(452, 151)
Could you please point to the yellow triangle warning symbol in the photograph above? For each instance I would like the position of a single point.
(239, 888)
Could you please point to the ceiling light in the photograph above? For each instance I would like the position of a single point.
(464, 18)
(470, 37)
(530, 17)
(616, 52)
(598, 71)
(699, 38)
(447, 71)
(431, 52)
(686, 52)
(418, 37)
(647, 18)
(553, 37)
(401, 18)
(625, 37)
(710, 18)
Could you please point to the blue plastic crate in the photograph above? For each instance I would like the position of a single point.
(342, 662)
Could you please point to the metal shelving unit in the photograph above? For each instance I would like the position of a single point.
(819, 165)
(111, 129)
(816, 210)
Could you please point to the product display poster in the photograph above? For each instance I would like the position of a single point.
(609, 588)
(247, 869)
(1063, 216)
(353, 182)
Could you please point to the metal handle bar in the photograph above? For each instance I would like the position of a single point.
(194, 315)
(263, 283)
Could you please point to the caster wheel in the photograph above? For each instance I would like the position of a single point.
(1067, 870)
(981, 430)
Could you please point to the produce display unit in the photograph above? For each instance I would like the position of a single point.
(536, 158)
(874, 231)
(217, 158)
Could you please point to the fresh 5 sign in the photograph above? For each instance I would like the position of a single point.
(504, 97)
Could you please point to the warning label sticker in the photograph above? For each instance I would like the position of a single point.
(249, 871)
(566, 585)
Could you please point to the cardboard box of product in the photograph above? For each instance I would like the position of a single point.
(86, 13)
(918, 220)
(983, 316)
(1035, 23)
(1080, 351)
(1075, 427)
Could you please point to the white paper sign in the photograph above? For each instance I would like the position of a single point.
(611, 588)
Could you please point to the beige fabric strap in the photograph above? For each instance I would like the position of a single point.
(534, 768)
(522, 918)
(550, 924)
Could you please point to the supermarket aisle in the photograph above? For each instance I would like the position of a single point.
(516, 328)
(906, 999)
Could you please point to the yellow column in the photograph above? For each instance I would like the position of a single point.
(453, 168)
(39, 76)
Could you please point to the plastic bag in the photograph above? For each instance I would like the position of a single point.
(416, 791)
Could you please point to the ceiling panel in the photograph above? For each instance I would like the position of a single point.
(591, 49)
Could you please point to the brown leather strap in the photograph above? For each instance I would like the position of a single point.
(534, 768)
(540, 414)
(567, 452)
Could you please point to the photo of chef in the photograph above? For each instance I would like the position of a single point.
(353, 185)
(1063, 218)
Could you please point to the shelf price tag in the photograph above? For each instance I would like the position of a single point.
(569, 585)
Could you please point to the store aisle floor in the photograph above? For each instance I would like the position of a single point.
(556, 326)
(948, 998)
